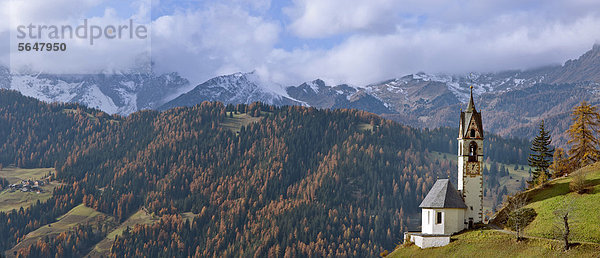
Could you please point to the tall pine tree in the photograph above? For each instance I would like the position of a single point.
(541, 156)
(584, 144)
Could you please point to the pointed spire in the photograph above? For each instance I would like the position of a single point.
(471, 107)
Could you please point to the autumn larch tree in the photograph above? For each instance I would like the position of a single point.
(583, 142)
(560, 163)
(541, 156)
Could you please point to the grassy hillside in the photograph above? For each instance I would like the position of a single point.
(142, 217)
(14, 175)
(238, 120)
(585, 208)
(77, 216)
(491, 243)
(103, 247)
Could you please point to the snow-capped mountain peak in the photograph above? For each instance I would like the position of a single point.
(237, 88)
(113, 93)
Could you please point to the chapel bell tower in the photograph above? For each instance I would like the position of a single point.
(470, 162)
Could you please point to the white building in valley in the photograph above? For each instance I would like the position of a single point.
(447, 210)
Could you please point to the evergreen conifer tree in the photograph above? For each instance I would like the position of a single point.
(541, 156)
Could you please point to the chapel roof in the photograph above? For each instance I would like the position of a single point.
(443, 195)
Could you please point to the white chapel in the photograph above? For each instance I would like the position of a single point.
(447, 210)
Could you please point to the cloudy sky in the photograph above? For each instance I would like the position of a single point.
(349, 41)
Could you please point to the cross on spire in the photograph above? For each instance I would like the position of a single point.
(471, 107)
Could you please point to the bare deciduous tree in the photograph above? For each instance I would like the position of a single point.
(563, 214)
(519, 216)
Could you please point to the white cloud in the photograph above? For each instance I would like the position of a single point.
(434, 36)
(214, 41)
(381, 39)
(32, 11)
(318, 19)
(255, 5)
(105, 55)
(372, 40)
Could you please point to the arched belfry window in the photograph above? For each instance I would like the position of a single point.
(473, 151)
(472, 132)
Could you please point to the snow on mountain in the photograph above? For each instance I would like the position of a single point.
(238, 88)
(317, 94)
(459, 85)
(44, 88)
(94, 97)
(5, 78)
(113, 93)
(314, 86)
(246, 88)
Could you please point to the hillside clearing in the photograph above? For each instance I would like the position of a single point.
(10, 200)
(17, 199)
(77, 216)
(103, 247)
(15, 175)
(365, 127)
(236, 122)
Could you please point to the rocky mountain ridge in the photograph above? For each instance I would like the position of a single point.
(420, 100)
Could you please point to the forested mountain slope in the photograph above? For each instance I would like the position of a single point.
(300, 180)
